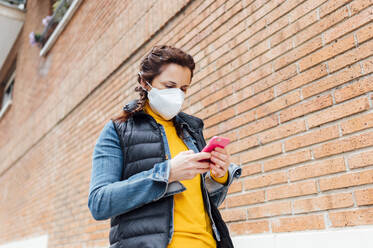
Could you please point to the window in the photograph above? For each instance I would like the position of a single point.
(7, 94)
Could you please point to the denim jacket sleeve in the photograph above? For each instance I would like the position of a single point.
(218, 191)
(108, 195)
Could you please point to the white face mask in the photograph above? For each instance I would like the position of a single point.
(167, 102)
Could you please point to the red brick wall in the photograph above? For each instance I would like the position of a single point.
(300, 115)
(290, 82)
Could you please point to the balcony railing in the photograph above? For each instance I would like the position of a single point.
(61, 16)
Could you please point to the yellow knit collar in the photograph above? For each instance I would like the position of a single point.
(148, 109)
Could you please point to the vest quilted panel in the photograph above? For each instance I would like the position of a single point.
(148, 225)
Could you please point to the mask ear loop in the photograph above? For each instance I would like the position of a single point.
(140, 74)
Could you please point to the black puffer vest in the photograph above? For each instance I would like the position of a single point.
(147, 226)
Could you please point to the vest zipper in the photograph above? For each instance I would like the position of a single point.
(173, 203)
(213, 225)
(210, 214)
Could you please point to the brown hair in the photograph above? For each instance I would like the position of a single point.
(150, 67)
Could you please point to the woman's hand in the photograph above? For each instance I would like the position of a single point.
(186, 165)
(221, 161)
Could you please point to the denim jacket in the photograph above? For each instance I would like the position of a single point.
(108, 194)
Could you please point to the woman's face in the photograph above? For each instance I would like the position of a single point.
(172, 76)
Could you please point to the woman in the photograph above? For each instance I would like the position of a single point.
(147, 176)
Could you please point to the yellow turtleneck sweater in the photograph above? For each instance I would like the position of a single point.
(192, 227)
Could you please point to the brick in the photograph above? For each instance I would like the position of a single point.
(293, 28)
(361, 159)
(265, 180)
(251, 169)
(364, 33)
(232, 135)
(357, 88)
(279, 9)
(255, 100)
(302, 9)
(236, 186)
(211, 131)
(96, 227)
(217, 95)
(269, 210)
(299, 80)
(278, 76)
(298, 223)
(208, 111)
(335, 201)
(287, 160)
(338, 111)
(261, 152)
(258, 126)
(319, 26)
(245, 199)
(346, 180)
(243, 144)
(219, 117)
(352, 217)
(291, 190)
(230, 215)
(235, 158)
(357, 6)
(364, 197)
(277, 104)
(238, 121)
(97, 235)
(347, 26)
(334, 80)
(299, 51)
(320, 168)
(243, 91)
(200, 97)
(327, 52)
(343, 145)
(254, 75)
(258, 55)
(349, 57)
(313, 137)
(358, 123)
(331, 6)
(282, 131)
(249, 227)
(281, 48)
(306, 107)
(367, 65)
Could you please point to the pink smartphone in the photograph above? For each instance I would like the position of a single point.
(216, 141)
